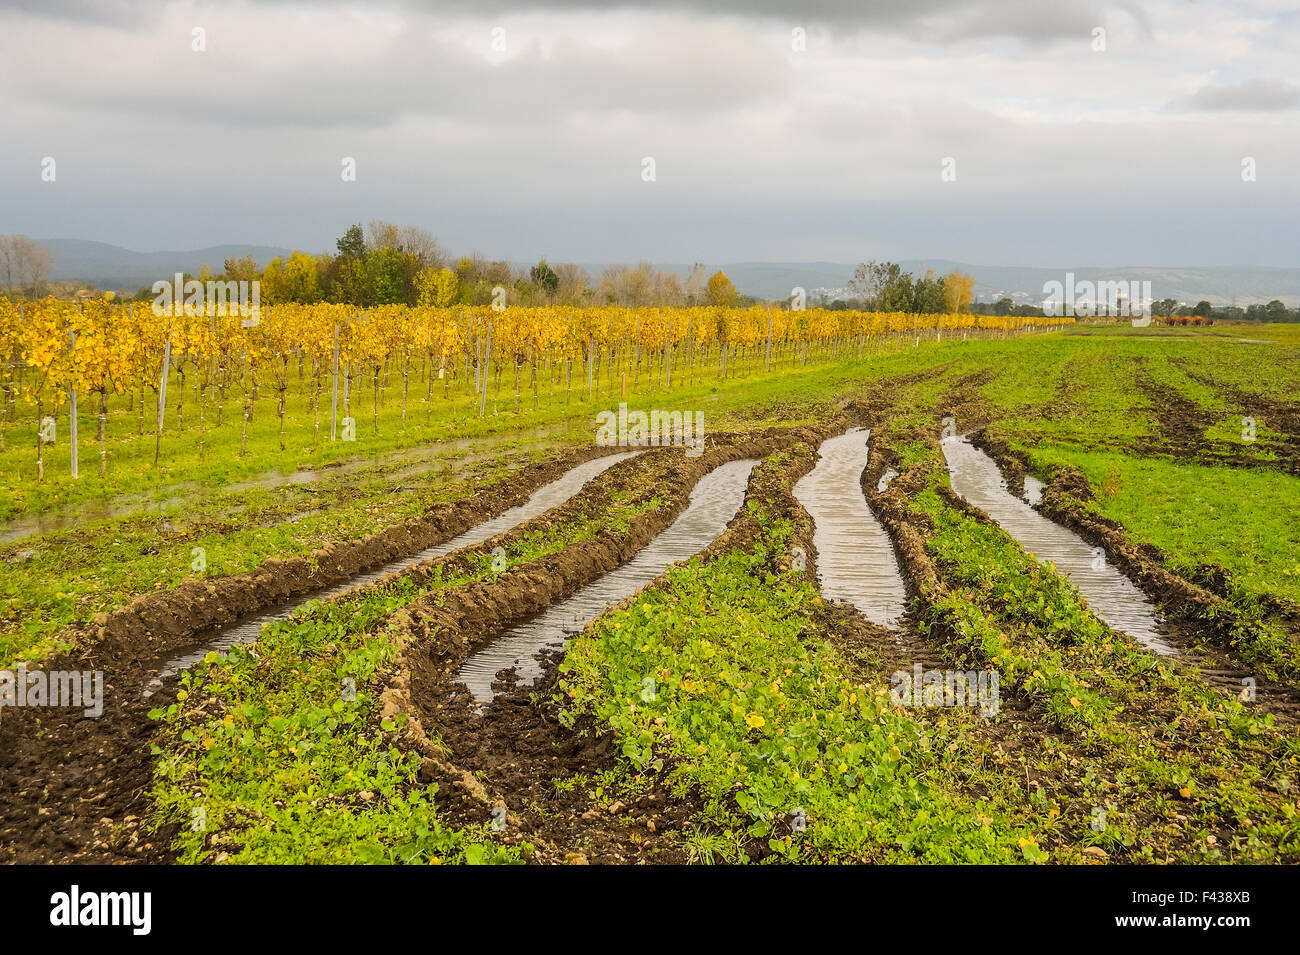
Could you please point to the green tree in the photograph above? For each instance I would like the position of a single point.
(927, 294)
(385, 277)
(544, 277)
(352, 244)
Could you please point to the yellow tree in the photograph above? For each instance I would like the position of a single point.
(720, 290)
(371, 344)
(101, 359)
(314, 329)
(146, 337)
(256, 354)
(958, 291)
(280, 335)
(209, 339)
(408, 332)
(436, 287)
(43, 347)
(8, 360)
(294, 280)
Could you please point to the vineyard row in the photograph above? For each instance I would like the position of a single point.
(55, 352)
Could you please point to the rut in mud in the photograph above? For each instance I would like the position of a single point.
(74, 789)
(1113, 597)
(509, 752)
(855, 558)
(543, 499)
(714, 502)
(160, 624)
(1282, 417)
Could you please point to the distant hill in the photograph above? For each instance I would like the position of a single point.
(110, 266)
(1243, 285)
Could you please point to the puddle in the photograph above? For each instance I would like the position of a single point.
(50, 522)
(886, 479)
(714, 502)
(1033, 490)
(543, 499)
(855, 559)
(449, 462)
(1111, 596)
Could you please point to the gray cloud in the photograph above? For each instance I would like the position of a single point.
(410, 76)
(120, 12)
(947, 20)
(761, 151)
(1248, 96)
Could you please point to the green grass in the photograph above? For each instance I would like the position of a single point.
(276, 754)
(725, 687)
(1241, 519)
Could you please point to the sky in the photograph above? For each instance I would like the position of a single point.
(1067, 133)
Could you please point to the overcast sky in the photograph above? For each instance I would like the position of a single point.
(1064, 155)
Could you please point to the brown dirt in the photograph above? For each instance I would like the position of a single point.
(964, 403)
(1182, 427)
(1181, 423)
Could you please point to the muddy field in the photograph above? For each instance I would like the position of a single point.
(1112, 656)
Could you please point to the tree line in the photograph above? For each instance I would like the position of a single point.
(887, 287)
(386, 264)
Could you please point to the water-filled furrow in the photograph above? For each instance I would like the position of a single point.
(1111, 596)
(714, 502)
(855, 559)
(543, 499)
